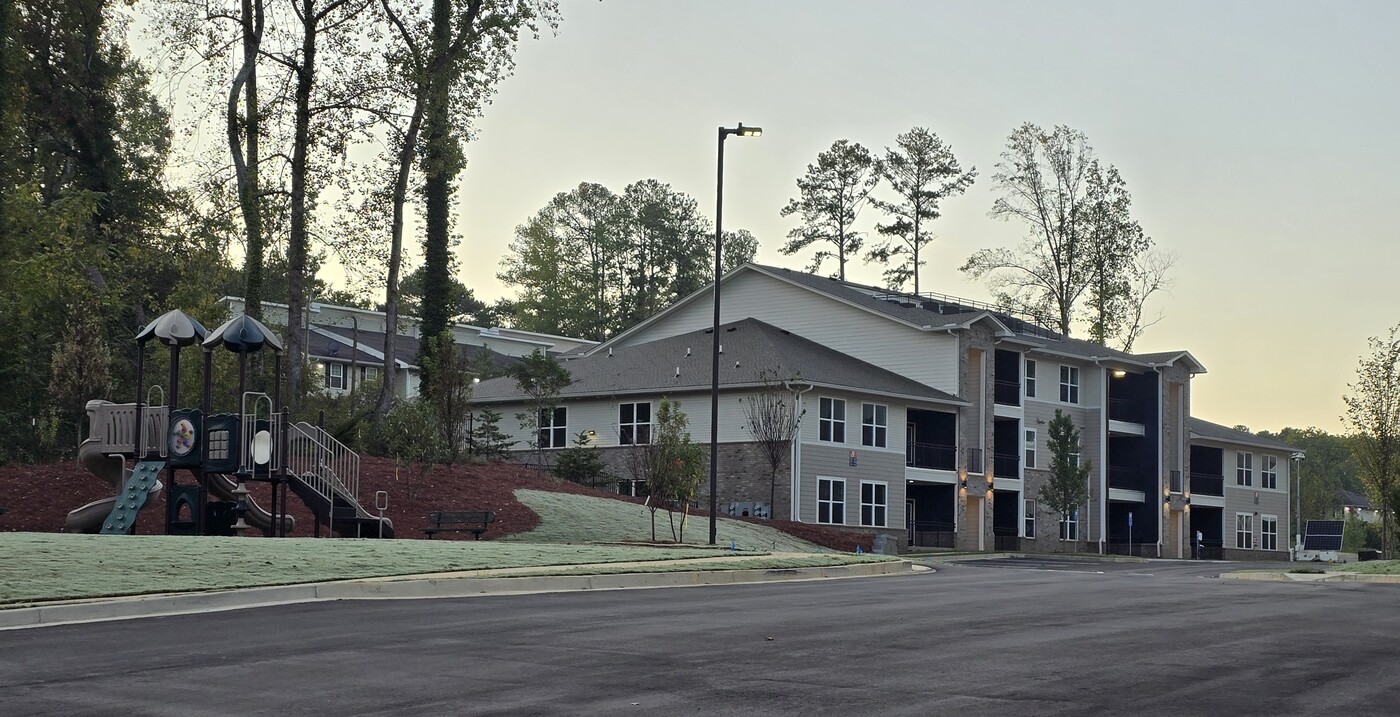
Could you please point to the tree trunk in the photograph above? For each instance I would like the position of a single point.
(439, 172)
(245, 155)
(297, 240)
(391, 290)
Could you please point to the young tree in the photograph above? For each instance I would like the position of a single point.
(923, 172)
(488, 441)
(773, 425)
(410, 435)
(541, 379)
(448, 390)
(672, 467)
(581, 463)
(1083, 245)
(830, 197)
(1068, 486)
(1373, 419)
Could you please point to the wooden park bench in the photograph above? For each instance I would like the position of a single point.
(455, 521)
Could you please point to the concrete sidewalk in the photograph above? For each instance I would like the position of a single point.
(1283, 576)
(472, 583)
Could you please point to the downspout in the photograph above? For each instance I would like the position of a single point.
(795, 463)
(1161, 424)
(1103, 456)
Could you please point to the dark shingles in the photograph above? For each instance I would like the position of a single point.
(1200, 428)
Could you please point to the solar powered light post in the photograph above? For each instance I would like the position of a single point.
(724, 132)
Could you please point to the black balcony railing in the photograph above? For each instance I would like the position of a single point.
(931, 455)
(1121, 409)
(974, 460)
(1210, 550)
(1006, 465)
(1005, 539)
(1174, 482)
(932, 534)
(1007, 393)
(1207, 484)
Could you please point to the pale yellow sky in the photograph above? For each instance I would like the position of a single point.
(1258, 139)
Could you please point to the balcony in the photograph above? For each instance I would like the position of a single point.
(1006, 465)
(1121, 477)
(1121, 409)
(1207, 484)
(1007, 393)
(931, 534)
(932, 456)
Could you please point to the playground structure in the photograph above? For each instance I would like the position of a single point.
(222, 452)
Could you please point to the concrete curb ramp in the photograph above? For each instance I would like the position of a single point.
(408, 587)
(1286, 577)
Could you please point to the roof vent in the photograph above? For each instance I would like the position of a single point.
(687, 351)
(678, 372)
(609, 352)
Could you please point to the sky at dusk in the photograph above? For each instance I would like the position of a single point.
(1260, 141)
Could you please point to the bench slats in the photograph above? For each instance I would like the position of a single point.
(459, 521)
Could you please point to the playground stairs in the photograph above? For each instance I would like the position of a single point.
(325, 475)
(144, 477)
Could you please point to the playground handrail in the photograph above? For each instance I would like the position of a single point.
(323, 462)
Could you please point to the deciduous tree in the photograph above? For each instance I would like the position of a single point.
(772, 421)
(1372, 419)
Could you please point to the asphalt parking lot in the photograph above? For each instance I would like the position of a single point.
(994, 638)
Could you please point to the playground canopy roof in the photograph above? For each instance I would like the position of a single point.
(243, 334)
(173, 328)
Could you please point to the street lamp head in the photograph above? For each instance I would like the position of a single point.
(1297, 456)
(741, 130)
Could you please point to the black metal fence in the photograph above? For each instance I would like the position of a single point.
(932, 534)
(931, 455)
(1006, 465)
(1207, 484)
(974, 460)
(1007, 393)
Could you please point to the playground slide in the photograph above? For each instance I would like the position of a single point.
(222, 486)
(88, 518)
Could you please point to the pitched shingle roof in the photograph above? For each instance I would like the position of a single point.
(1199, 428)
(749, 348)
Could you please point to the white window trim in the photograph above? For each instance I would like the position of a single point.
(832, 501)
(634, 424)
(1264, 470)
(1069, 521)
(1028, 520)
(833, 421)
(1267, 519)
(335, 372)
(1028, 368)
(550, 428)
(1032, 456)
(878, 429)
(1069, 372)
(1249, 531)
(1244, 474)
(884, 507)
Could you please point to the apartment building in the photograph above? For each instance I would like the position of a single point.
(921, 416)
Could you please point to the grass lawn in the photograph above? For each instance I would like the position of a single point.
(566, 518)
(1370, 567)
(53, 566)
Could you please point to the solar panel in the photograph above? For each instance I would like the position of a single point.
(1323, 535)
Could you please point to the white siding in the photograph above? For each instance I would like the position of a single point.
(931, 359)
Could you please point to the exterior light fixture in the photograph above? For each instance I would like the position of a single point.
(1119, 373)
(724, 132)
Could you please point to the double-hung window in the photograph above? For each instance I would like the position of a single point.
(1030, 378)
(1268, 473)
(1030, 518)
(554, 427)
(1030, 448)
(1268, 532)
(1069, 526)
(831, 423)
(1244, 469)
(831, 501)
(874, 424)
(874, 503)
(634, 423)
(1244, 531)
(335, 375)
(1069, 384)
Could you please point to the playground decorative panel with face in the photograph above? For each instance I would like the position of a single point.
(182, 437)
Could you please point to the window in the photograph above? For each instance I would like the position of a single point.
(1069, 526)
(1244, 469)
(1244, 531)
(369, 373)
(1268, 474)
(1069, 384)
(831, 501)
(1074, 458)
(1030, 378)
(831, 426)
(874, 499)
(335, 375)
(554, 427)
(1030, 448)
(873, 424)
(1030, 519)
(1268, 532)
(634, 423)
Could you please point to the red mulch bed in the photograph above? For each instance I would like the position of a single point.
(38, 498)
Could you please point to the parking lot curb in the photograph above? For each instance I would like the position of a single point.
(1287, 577)
(408, 587)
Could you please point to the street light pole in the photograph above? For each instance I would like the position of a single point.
(724, 132)
(1298, 502)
